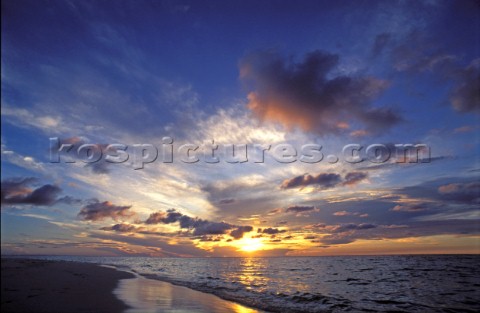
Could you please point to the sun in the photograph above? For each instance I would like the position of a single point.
(250, 244)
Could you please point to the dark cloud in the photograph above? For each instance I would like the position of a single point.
(102, 210)
(303, 94)
(99, 167)
(203, 227)
(445, 206)
(299, 209)
(121, 228)
(324, 180)
(226, 201)
(354, 177)
(270, 231)
(209, 239)
(351, 233)
(198, 226)
(465, 95)
(347, 213)
(238, 232)
(70, 200)
(381, 41)
(350, 226)
(445, 191)
(461, 192)
(275, 211)
(411, 207)
(336, 240)
(346, 233)
(417, 52)
(157, 218)
(19, 191)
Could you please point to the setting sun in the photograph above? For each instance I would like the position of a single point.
(250, 244)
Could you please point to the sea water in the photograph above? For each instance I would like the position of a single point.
(416, 283)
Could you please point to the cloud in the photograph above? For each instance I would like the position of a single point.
(463, 129)
(304, 94)
(202, 227)
(381, 41)
(350, 226)
(354, 177)
(347, 213)
(275, 211)
(465, 95)
(238, 233)
(324, 180)
(409, 158)
(418, 53)
(70, 200)
(157, 218)
(226, 201)
(122, 228)
(461, 192)
(271, 231)
(209, 239)
(18, 191)
(99, 167)
(101, 210)
(342, 213)
(299, 209)
(198, 226)
(410, 207)
(359, 133)
(348, 233)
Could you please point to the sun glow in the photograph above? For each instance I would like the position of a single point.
(250, 244)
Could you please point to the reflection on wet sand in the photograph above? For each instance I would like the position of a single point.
(149, 295)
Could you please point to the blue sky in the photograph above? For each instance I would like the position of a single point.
(240, 72)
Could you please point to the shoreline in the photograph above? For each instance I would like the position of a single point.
(36, 285)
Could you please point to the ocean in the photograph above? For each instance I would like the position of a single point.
(414, 283)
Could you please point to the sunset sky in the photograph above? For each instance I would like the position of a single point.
(329, 73)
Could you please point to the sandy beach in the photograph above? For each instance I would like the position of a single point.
(30, 285)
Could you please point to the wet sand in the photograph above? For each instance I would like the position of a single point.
(56, 287)
(30, 285)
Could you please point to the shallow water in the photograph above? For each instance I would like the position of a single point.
(429, 283)
(150, 296)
